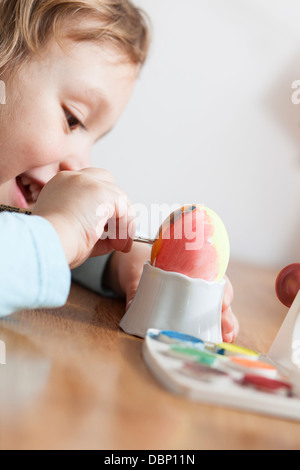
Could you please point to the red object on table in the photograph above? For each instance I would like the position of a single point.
(288, 284)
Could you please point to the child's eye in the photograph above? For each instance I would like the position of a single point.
(73, 121)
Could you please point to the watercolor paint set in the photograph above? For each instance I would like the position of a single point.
(223, 374)
(230, 375)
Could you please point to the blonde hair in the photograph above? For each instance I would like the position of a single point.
(26, 26)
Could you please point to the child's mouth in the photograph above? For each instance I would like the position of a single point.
(29, 190)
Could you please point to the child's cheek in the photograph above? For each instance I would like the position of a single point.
(40, 149)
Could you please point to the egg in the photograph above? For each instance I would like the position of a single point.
(193, 241)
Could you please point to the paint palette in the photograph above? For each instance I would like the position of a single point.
(222, 374)
(230, 375)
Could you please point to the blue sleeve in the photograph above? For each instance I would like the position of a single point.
(34, 272)
(90, 275)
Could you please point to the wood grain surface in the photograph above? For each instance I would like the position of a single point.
(73, 380)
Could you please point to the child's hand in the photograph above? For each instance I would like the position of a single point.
(230, 324)
(79, 205)
(124, 271)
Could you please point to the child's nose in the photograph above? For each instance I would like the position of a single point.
(76, 162)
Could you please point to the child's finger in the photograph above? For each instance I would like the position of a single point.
(131, 294)
(230, 326)
(228, 295)
(116, 221)
(236, 327)
(99, 174)
(227, 321)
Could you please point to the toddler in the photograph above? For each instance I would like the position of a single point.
(69, 68)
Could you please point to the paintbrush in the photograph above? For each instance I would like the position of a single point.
(18, 210)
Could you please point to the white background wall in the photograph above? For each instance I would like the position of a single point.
(211, 121)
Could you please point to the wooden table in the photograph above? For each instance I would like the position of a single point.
(73, 380)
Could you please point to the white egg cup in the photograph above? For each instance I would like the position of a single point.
(172, 301)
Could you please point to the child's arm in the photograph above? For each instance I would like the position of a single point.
(92, 275)
(64, 231)
(123, 272)
(34, 272)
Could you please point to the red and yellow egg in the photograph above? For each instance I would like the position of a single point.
(193, 242)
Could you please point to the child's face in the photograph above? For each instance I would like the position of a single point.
(42, 135)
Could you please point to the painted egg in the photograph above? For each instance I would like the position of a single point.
(288, 284)
(193, 241)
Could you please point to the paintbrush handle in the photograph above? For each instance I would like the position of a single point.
(141, 239)
(17, 210)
